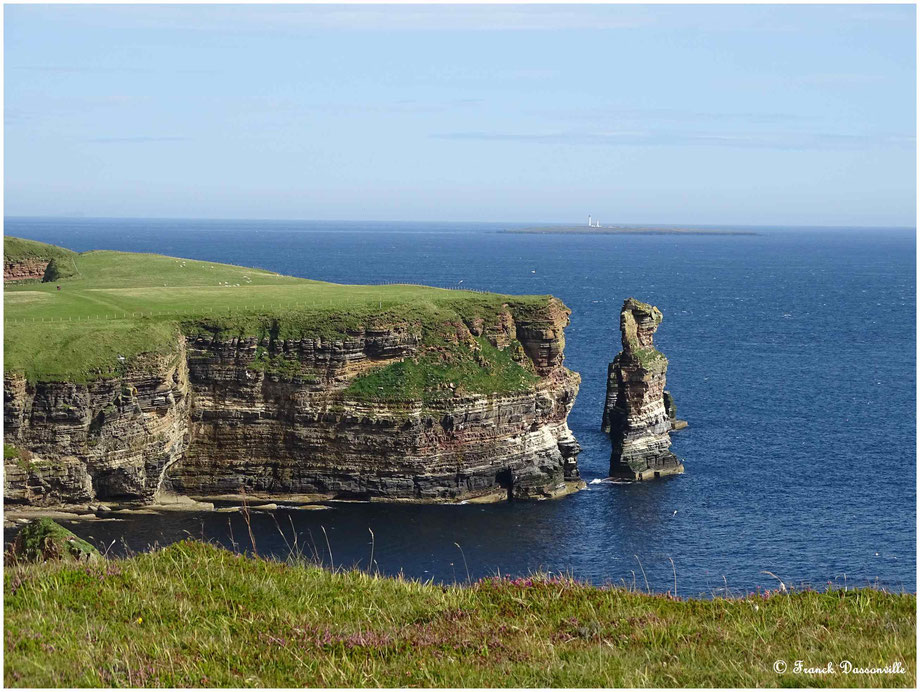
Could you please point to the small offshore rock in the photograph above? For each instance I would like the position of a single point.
(671, 408)
(185, 507)
(44, 539)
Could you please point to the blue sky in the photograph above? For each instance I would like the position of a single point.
(637, 114)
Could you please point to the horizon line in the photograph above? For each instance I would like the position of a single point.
(63, 217)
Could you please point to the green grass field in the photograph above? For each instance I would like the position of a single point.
(19, 249)
(129, 304)
(195, 615)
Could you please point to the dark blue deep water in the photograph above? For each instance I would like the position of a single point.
(792, 355)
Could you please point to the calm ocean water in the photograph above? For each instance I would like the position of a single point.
(792, 355)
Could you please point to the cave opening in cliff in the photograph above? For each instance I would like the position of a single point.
(505, 479)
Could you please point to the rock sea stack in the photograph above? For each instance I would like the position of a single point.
(639, 414)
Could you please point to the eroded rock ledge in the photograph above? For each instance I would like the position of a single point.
(639, 414)
(24, 270)
(212, 418)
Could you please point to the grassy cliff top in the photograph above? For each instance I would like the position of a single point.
(194, 615)
(121, 303)
(20, 249)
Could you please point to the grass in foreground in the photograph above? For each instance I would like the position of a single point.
(197, 615)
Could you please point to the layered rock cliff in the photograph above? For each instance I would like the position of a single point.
(25, 269)
(636, 413)
(272, 415)
(112, 438)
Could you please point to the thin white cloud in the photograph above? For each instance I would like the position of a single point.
(140, 139)
(78, 69)
(668, 115)
(759, 140)
(286, 18)
(64, 69)
(294, 18)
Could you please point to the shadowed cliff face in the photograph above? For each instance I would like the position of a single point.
(218, 420)
(636, 413)
(111, 438)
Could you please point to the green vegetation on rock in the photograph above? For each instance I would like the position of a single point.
(20, 250)
(43, 539)
(131, 304)
(59, 268)
(446, 372)
(194, 615)
(650, 358)
(279, 365)
(79, 352)
(644, 310)
(21, 457)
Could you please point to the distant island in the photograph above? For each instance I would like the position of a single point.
(628, 230)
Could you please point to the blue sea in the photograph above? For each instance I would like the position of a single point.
(792, 356)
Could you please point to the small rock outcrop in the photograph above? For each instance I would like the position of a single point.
(639, 414)
(28, 260)
(28, 269)
(671, 408)
(44, 539)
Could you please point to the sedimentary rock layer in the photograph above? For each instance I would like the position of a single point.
(635, 413)
(31, 268)
(212, 421)
(112, 438)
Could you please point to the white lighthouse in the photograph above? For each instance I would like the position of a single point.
(589, 221)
